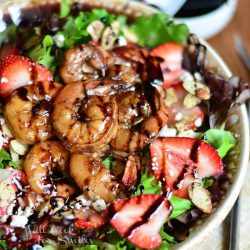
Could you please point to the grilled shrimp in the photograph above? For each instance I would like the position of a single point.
(139, 122)
(84, 123)
(27, 112)
(93, 177)
(85, 62)
(45, 160)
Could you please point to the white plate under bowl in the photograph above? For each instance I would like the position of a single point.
(237, 159)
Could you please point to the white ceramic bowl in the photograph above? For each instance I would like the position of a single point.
(237, 158)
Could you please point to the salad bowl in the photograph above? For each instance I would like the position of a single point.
(237, 122)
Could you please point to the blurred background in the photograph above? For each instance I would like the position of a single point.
(225, 24)
(217, 21)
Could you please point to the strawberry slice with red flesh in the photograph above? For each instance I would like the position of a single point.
(8, 49)
(140, 218)
(17, 71)
(177, 162)
(191, 118)
(172, 55)
(93, 221)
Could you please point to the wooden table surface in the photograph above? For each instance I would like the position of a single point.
(223, 42)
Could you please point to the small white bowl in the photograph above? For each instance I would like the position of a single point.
(208, 25)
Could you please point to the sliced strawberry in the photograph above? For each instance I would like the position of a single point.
(172, 55)
(140, 218)
(41, 73)
(90, 219)
(8, 49)
(177, 162)
(17, 71)
(190, 118)
(93, 222)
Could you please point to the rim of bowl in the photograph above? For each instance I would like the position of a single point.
(216, 218)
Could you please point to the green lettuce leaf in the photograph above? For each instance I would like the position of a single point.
(107, 162)
(3, 244)
(148, 185)
(167, 240)
(42, 53)
(222, 140)
(180, 206)
(64, 8)
(74, 31)
(207, 182)
(8, 35)
(5, 159)
(157, 29)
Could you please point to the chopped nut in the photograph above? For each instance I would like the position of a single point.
(6, 130)
(190, 101)
(186, 76)
(110, 35)
(95, 30)
(18, 147)
(170, 97)
(190, 86)
(130, 36)
(92, 195)
(180, 126)
(14, 155)
(197, 76)
(203, 92)
(87, 69)
(190, 134)
(200, 196)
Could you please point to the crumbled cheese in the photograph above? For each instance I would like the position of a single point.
(99, 205)
(4, 218)
(178, 116)
(168, 132)
(28, 211)
(13, 238)
(2, 121)
(68, 215)
(198, 122)
(190, 134)
(10, 209)
(18, 221)
(59, 40)
(84, 202)
(122, 41)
